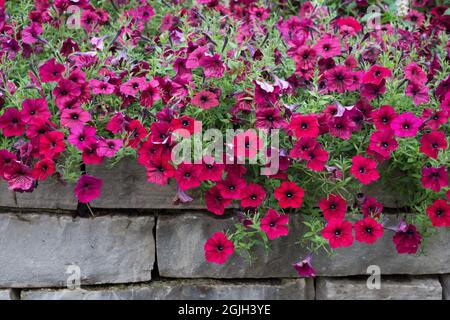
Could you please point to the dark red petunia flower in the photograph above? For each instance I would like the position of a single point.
(269, 118)
(51, 71)
(252, 196)
(304, 125)
(431, 143)
(136, 133)
(371, 208)
(364, 169)
(383, 143)
(232, 186)
(339, 79)
(66, 91)
(218, 248)
(159, 170)
(215, 202)
(275, 224)
(302, 148)
(211, 171)
(372, 91)
(317, 158)
(11, 123)
(341, 127)
(289, 195)
(339, 233)
(434, 178)
(35, 109)
(305, 57)
(407, 239)
(43, 169)
(51, 144)
(187, 176)
(376, 74)
(90, 153)
(184, 126)
(333, 207)
(368, 230)
(383, 117)
(439, 213)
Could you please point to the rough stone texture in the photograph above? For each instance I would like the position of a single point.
(126, 186)
(6, 195)
(445, 281)
(49, 195)
(406, 288)
(36, 249)
(298, 289)
(7, 294)
(180, 240)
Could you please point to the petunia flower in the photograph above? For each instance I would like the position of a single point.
(71, 118)
(19, 177)
(218, 248)
(51, 144)
(328, 46)
(289, 195)
(439, 213)
(275, 224)
(434, 178)
(213, 66)
(43, 169)
(252, 195)
(215, 202)
(371, 207)
(51, 71)
(31, 33)
(12, 123)
(304, 125)
(418, 92)
(304, 267)
(406, 125)
(338, 233)
(376, 74)
(205, 100)
(431, 143)
(35, 108)
(88, 188)
(333, 207)
(368, 230)
(187, 176)
(383, 117)
(407, 239)
(364, 169)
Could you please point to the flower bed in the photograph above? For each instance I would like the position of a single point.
(268, 109)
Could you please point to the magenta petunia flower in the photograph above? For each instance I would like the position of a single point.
(383, 143)
(35, 108)
(304, 125)
(101, 87)
(213, 66)
(205, 100)
(187, 176)
(81, 136)
(12, 123)
(31, 33)
(133, 86)
(215, 202)
(434, 178)
(328, 46)
(252, 196)
(371, 207)
(368, 230)
(406, 125)
(418, 92)
(71, 118)
(218, 248)
(304, 267)
(289, 195)
(51, 71)
(376, 74)
(274, 224)
(364, 169)
(88, 188)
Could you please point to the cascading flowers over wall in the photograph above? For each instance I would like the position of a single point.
(357, 100)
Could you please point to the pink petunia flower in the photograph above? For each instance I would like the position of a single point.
(406, 125)
(88, 188)
(275, 224)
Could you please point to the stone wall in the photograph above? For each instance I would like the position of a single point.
(139, 245)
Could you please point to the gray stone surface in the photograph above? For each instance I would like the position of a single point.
(445, 281)
(298, 289)
(7, 294)
(126, 186)
(405, 288)
(180, 240)
(6, 195)
(49, 194)
(36, 249)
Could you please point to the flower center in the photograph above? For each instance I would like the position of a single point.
(337, 232)
(289, 194)
(368, 229)
(220, 248)
(362, 169)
